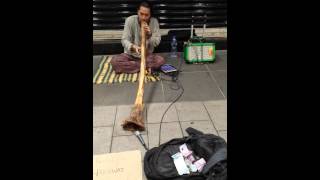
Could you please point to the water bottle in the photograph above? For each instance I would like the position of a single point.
(174, 45)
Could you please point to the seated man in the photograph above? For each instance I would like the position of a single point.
(129, 61)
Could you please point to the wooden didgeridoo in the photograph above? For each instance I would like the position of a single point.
(135, 122)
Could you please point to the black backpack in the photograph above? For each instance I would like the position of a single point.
(158, 164)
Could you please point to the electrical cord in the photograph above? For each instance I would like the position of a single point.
(175, 78)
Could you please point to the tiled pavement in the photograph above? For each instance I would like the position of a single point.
(202, 106)
(108, 136)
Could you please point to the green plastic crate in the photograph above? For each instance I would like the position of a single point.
(199, 52)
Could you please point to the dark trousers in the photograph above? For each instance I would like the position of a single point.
(124, 63)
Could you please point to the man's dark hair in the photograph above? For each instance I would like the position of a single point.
(145, 4)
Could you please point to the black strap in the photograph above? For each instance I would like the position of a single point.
(219, 156)
(191, 131)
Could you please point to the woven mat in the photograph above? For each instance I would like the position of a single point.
(106, 75)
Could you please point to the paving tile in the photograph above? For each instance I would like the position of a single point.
(193, 67)
(169, 131)
(102, 140)
(223, 134)
(191, 111)
(218, 113)
(123, 112)
(128, 143)
(153, 92)
(155, 112)
(98, 95)
(221, 78)
(220, 62)
(103, 115)
(114, 94)
(198, 86)
(204, 126)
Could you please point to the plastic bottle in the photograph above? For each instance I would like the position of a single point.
(174, 45)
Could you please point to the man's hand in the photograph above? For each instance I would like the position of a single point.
(147, 30)
(149, 71)
(136, 49)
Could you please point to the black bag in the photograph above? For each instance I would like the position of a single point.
(158, 164)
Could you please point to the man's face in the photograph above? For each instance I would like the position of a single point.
(144, 14)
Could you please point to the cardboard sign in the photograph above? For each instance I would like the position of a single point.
(118, 166)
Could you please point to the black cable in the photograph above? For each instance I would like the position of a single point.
(177, 98)
(175, 78)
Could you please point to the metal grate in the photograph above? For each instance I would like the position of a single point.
(111, 14)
